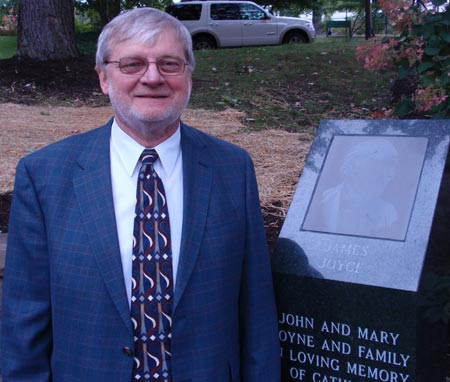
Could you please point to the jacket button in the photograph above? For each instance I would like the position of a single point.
(127, 351)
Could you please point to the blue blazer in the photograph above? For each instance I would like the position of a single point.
(65, 310)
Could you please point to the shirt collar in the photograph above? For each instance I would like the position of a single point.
(129, 150)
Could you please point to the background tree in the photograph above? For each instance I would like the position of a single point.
(108, 9)
(158, 4)
(355, 11)
(319, 9)
(8, 14)
(46, 30)
(6, 5)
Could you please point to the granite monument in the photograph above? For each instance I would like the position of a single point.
(362, 264)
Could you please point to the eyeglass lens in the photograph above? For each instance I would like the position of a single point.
(166, 66)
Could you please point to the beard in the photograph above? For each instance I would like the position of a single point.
(143, 123)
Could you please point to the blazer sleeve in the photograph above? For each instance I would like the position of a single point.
(260, 347)
(26, 317)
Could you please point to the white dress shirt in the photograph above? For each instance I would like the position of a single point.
(125, 153)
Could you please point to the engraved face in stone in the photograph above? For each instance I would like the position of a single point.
(367, 186)
(356, 204)
(368, 168)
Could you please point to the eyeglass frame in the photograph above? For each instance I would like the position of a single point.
(184, 64)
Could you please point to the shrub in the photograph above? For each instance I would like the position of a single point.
(418, 51)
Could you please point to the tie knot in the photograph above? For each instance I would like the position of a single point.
(148, 156)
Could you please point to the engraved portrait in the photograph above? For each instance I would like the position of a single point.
(367, 186)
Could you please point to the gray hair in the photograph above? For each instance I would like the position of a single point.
(142, 25)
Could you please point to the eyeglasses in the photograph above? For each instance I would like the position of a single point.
(135, 65)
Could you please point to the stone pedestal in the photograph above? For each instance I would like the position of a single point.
(362, 265)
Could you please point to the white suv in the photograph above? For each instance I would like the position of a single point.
(215, 24)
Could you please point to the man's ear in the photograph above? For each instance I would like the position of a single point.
(103, 78)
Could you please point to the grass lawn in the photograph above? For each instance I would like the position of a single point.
(8, 46)
(289, 86)
(86, 44)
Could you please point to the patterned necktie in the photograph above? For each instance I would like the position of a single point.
(152, 277)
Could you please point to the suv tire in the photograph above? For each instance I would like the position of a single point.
(294, 37)
(203, 43)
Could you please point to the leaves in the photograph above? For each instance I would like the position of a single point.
(424, 66)
(404, 107)
(420, 48)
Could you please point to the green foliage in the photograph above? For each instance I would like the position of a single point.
(7, 5)
(346, 5)
(158, 4)
(87, 42)
(419, 52)
(8, 16)
(295, 7)
(99, 12)
(87, 21)
(84, 5)
(433, 67)
(286, 5)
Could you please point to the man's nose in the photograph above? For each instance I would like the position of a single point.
(152, 73)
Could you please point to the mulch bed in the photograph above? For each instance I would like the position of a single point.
(27, 128)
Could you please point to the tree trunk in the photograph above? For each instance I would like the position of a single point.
(368, 8)
(46, 30)
(317, 19)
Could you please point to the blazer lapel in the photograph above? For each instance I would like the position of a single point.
(92, 184)
(197, 179)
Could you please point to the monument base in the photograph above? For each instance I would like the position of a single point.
(332, 331)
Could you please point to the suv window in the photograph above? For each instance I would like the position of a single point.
(225, 11)
(250, 12)
(185, 12)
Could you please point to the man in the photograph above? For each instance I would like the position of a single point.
(70, 310)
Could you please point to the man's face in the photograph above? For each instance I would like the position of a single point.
(148, 104)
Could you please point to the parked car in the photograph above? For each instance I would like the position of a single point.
(216, 24)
